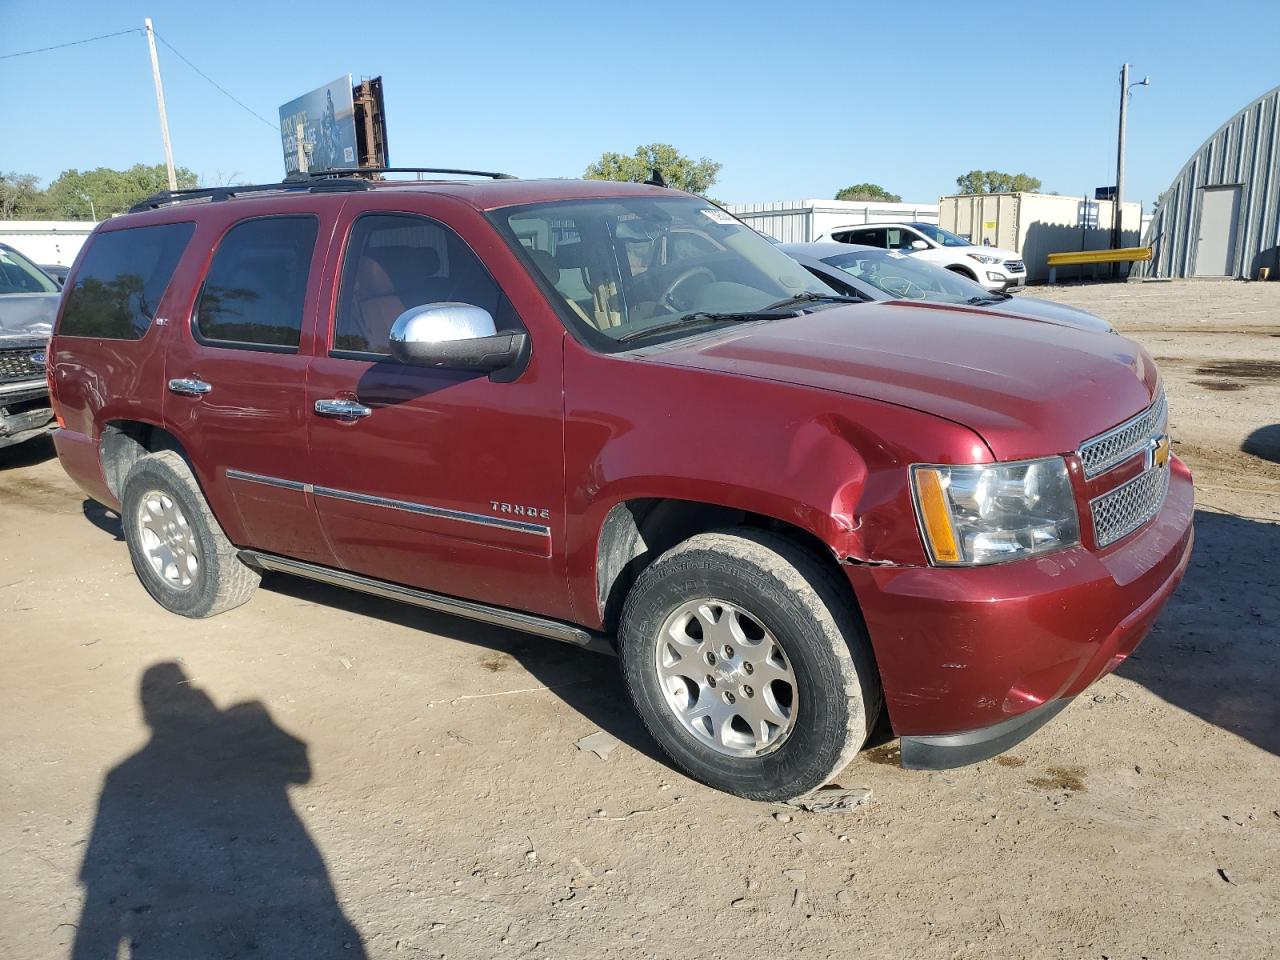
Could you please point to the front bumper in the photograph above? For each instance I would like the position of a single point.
(24, 412)
(1000, 280)
(964, 652)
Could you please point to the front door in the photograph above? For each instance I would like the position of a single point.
(445, 480)
(1215, 246)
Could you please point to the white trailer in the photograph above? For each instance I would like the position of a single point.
(800, 221)
(46, 241)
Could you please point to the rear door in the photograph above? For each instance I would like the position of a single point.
(452, 482)
(236, 372)
(873, 237)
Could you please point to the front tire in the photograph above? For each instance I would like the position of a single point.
(178, 549)
(748, 664)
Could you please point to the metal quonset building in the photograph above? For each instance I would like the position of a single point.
(1221, 215)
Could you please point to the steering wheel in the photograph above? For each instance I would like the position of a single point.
(902, 287)
(668, 297)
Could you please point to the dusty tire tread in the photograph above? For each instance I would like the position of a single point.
(810, 590)
(227, 581)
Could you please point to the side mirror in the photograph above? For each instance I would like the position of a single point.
(919, 245)
(455, 336)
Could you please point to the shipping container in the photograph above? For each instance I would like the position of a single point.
(1038, 224)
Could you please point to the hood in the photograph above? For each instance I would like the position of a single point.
(1051, 312)
(28, 314)
(1028, 389)
(1025, 307)
(1000, 252)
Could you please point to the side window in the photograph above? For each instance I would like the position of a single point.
(395, 261)
(836, 285)
(899, 239)
(121, 280)
(254, 291)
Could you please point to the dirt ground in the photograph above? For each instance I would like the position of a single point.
(354, 778)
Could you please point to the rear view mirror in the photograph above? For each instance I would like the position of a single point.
(919, 245)
(456, 336)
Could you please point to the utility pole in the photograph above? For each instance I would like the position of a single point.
(1125, 88)
(1119, 197)
(164, 117)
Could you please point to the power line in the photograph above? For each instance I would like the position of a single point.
(73, 43)
(221, 89)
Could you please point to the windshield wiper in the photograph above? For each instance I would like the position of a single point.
(993, 297)
(809, 297)
(704, 316)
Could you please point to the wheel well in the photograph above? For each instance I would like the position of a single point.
(637, 532)
(964, 272)
(125, 442)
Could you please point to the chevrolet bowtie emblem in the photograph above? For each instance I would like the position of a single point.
(1158, 452)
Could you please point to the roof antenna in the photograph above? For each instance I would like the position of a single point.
(655, 179)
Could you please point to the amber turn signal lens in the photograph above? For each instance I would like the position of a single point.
(935, 516)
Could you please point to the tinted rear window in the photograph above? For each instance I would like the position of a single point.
(121, 280)
(257, 283)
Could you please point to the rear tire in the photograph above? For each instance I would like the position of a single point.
(791, 701)
(178, 549)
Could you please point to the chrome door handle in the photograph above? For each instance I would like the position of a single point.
(342, 409)
(189, 387)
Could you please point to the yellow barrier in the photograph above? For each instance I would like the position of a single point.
(1078, 257)
(1122, 255)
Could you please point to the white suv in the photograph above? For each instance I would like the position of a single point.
(992, 267)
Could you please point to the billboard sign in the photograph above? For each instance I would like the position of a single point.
(327, 118)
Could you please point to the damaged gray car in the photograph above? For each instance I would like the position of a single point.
(28, 306)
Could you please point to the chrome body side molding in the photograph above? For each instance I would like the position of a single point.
(267, 481)
(408, 506)
(537, 529)
(498, 616)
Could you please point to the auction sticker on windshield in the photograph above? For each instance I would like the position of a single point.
(719, 216)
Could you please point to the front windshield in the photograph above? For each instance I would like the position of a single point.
(909, 278)
(940, 236)
(20, 275)
(625, 264)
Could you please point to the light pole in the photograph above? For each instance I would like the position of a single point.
(1125, 88)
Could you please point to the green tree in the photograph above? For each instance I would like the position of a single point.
(867, 191)
(679, 171)
(20, 196)
(79, 195)
(995, 181)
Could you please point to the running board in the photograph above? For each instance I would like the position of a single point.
(498, 616)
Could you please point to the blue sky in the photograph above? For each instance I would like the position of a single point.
(795, 100)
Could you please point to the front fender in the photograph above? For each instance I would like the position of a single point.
(831, 465)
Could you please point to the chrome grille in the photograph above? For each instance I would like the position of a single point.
(1015, 266)
(17, 365)
(1108, 449)
(1122, 511)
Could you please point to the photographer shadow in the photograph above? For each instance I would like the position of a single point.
(196, 851)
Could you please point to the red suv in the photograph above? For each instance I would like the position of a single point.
(611, 414)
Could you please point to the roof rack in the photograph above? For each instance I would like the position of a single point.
(337, 180)
(292, 183)
(360, 171)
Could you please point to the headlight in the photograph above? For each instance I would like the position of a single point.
(983, 258)
(1002, 511)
